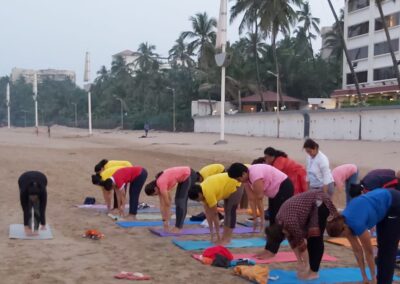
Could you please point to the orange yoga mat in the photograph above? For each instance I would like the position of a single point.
(238, 211)
(345, 242)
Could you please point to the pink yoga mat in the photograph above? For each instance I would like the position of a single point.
(284, 256)
(199, 231)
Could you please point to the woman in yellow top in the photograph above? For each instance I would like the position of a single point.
(209, 170)
(213, 189)
(104, 170)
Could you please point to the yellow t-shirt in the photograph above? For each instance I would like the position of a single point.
(218, 187)
(115, 163)
(211, 170)
(112, 166)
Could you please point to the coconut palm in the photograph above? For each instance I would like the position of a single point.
(148, 59)
(180, 53)
(389, 41)
(309, 22)
(203, 38)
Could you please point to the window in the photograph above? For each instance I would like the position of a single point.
(357, 4)
(362, 77)
(358, 53)
(384, 73)
(391, 20)
(383, 47)
(358, 29)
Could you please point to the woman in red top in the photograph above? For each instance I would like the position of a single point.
(135, 177)
(295, 171)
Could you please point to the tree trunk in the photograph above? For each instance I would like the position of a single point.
(273, 44)
(389, 41)
(346, 53)
(257, 68)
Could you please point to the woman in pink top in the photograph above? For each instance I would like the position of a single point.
(263, 180)
(162, 186)
(344, 176)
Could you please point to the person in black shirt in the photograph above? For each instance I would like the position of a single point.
(33, 194)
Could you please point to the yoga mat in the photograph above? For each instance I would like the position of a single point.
(103, 208)
(345, 242)
(131, 224)
(17, 232)
(199, 231)
(285, 256)
(235, 243)
(326, 275)
(150, 216)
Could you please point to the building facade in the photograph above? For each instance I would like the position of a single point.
(368, 49)
(45, 74)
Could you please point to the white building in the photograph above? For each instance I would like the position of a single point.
(46, 74)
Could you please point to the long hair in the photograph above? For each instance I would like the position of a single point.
(274, 153)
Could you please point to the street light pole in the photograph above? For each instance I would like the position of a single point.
(76, 114)
(173, 109)
(24, 111)
(277, 102)
(122, 111)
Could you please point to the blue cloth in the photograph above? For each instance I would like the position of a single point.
(367, 210)
(326, 275)
(235, 243)
(129, 224)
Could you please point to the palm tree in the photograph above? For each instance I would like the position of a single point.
(334, 39)
(180, 53)
(278, 16)
(310, 22)
(103, 75)
(250, 10)
(346, 53)
(203, 35)
(389, 41)
(148, 59)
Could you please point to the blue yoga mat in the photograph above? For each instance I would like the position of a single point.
(235, 243)
(130, 224)
(326, 275)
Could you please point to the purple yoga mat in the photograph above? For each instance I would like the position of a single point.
(198, 231)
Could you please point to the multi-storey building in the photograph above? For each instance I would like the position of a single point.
(46, 74)
(368, 49)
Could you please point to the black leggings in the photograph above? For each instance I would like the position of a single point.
(388, 235)
(286, 190)
(315, 245)
(181, 198)
(134, 191)
(230, 206)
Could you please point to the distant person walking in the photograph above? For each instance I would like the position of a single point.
(146, 128)
(33, 195)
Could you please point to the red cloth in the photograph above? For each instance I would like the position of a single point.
(295, 172)
(126, 175)
(213, 251)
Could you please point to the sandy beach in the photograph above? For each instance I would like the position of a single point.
(68, 158)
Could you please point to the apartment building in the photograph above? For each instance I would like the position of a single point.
(45, 74)
(368, 48)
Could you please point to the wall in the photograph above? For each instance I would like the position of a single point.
(381, 123)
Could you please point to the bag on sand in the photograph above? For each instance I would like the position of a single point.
(257, 274)
(89, 201)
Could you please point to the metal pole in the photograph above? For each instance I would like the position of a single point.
(122, 115)
(8, 104)
(8, 111)
(76, 114)
(173, 111)
(222, 134)
(277, 105)
(36, 115)
(90, 112)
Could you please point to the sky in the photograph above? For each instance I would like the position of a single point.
(56, 34)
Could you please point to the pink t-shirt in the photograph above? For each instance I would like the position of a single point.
(342, 173)
(170, 177)
(271, 176)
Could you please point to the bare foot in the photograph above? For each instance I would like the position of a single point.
(308, 275)
(175, 230)
(265, 255)
(130, 217)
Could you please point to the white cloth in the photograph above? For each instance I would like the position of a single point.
(318, 171)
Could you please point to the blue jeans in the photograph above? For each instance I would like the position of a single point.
(351, 180)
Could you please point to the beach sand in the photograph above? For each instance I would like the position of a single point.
(68, 158)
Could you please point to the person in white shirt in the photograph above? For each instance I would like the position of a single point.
(318, 172)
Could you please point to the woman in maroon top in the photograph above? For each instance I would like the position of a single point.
(135, 177)
(303, 217)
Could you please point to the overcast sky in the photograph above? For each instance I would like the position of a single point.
(56, 34)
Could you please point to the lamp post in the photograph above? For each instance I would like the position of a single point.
(173, 109)
(122, 110)
(277, 101)
(8, 104)
(24, 111)
(86, 79)
(76, 114)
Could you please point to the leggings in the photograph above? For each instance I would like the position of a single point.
(388, 235)
(351, 180)
(181, 198)
(230, 206)
(134, 191)
(286, 191)
(315, 245)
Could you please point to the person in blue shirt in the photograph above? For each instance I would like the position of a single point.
(380, 208)
(379, 178)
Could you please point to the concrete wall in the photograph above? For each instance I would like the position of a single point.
(348, 124)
